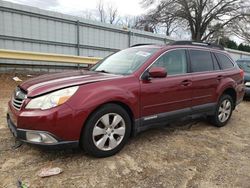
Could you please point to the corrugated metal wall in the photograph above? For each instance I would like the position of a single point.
(236, 54)
(32, 29)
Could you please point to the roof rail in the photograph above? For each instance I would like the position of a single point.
(142, 44)
(204, 44)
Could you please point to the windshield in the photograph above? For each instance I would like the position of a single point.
(125, 61)
(245, 65)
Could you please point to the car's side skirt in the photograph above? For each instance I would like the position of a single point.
(157, 120)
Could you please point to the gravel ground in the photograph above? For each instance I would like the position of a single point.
(193, 154)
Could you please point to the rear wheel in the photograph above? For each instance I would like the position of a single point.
(223, 111)
(106, 131)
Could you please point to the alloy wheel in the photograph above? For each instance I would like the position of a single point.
(108, 131)
(224, 110)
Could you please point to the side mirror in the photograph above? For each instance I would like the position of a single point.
(157, 72)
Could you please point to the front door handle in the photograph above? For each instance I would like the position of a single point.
(186, 83)
(219, 77)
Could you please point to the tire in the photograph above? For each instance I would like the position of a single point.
(106, 131)
(223, 111)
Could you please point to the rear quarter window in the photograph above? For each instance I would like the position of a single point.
(224, 61)
(244, 65)
(201, 61)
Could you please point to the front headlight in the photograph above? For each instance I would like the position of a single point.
(52, 99)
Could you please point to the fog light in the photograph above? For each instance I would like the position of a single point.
(33, 137)
(40, 137)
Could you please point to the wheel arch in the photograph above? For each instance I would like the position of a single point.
(119, 103)
(231, 91)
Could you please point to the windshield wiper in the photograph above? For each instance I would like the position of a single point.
(102, 71)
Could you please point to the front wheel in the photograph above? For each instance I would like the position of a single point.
(223, 111)
(106, 131)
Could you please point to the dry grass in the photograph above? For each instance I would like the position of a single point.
(175, 156)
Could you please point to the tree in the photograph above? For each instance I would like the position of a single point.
(88, 14)
(243, 47)
(112, 14)
(141, 22)
(108, 13)
(132, 22)
(200, 17)
(226, 42)
(242, 29)
(101, 11)
(158, 20)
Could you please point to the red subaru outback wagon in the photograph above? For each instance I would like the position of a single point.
(125, 93)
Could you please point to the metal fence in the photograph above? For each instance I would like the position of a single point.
(27, 28)
(236, 54)
(31, 29)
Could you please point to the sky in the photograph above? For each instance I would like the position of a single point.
(78, 7)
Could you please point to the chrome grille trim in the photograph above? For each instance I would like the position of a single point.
(17, 107)
(18, 98)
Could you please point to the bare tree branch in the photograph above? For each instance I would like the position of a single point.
(200, 16)
(107, 13)
(101, 11)
(112, 13)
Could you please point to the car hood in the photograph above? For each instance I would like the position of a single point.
(50, 82)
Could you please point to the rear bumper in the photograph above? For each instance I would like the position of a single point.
(20, 134)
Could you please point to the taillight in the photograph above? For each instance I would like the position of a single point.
(241, 73)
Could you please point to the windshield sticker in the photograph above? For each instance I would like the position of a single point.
(142, 53)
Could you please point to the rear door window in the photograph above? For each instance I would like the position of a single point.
(224, 61)
(201, 61)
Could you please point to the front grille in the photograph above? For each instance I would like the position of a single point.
(18, 98)
(17, 103)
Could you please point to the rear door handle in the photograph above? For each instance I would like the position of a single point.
(186, 83)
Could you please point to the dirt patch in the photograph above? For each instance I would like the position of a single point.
(176, 156)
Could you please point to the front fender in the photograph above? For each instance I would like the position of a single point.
(105, 94)
(91, 96)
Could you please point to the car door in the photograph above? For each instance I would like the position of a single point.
(163, 99)
(206, 77)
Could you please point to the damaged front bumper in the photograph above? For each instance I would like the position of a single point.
(41, 138)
